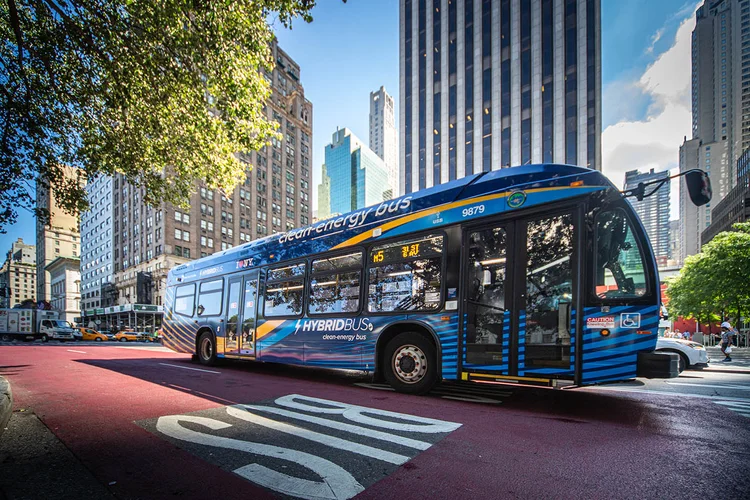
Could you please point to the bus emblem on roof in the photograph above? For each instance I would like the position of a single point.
(516, 199)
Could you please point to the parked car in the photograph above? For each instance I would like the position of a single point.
(146, 336)
(109, 334)
(692, 354)
(127, 336)
(91, 334)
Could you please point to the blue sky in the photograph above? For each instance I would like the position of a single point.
(351, 49)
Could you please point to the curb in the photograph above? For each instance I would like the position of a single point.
(6, 403)
(745, 371)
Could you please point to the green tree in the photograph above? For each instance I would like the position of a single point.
(715, 281)
(166, 93)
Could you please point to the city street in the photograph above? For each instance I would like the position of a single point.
(137, 421)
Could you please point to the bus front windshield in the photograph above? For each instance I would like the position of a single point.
(620, 270)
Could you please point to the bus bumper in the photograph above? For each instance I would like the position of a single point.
(658, 365)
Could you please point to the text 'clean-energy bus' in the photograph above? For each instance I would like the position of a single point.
(539, 274)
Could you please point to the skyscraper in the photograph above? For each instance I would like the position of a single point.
(58, 238)
(324, 195)
(275, 197)
(488, 84)
(96, 245)
(383, 134)
(653, 211)
(720, 105)
(357, 175)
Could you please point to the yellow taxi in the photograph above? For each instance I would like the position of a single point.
(127, 336)
(91, 334)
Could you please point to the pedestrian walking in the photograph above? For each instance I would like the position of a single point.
(726, 340)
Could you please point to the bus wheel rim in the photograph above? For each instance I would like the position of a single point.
(206, 350)
(409, 364)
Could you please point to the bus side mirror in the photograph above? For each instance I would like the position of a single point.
(699, 187)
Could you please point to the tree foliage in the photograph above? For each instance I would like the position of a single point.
(165, 93)
(715, 281)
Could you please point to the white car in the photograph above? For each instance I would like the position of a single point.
(692, 354)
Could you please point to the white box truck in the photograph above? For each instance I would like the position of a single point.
(31, 324)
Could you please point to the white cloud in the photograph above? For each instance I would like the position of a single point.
(654, 141)
(657, 36)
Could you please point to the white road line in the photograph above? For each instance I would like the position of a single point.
(472, 399)
(328, 440)
(663, 393)
(735, 404)
(341, 426)
(72, 350)
(188, 368)
(724, 386)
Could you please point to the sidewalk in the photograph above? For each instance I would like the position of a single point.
(34, 463)
(740, 360)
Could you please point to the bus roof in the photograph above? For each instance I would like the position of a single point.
(433, 207)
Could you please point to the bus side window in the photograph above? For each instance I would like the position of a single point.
(184, 300)
(406, 275)
(284, 291)
(210, 297)
(335, 284)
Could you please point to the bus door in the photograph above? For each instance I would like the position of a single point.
(546, 281)
(518, 296)
(241, 307)
(487, 298)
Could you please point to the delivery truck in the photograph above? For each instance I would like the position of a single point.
(32, 324)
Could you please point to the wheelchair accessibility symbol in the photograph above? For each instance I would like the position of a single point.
(630, 320)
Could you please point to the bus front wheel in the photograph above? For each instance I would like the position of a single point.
(411, 365)
(207, 349)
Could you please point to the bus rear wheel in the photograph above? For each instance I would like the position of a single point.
(411, 365)
(207, 349)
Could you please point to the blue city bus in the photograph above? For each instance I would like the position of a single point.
(540, 274)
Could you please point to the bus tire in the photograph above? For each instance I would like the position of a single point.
(207, 349)
(411, 363)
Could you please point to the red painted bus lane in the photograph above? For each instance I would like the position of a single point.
(105, 403)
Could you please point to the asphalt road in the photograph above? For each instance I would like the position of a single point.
(138, 422)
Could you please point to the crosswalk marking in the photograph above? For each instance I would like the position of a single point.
(713, 386)
(743, 408)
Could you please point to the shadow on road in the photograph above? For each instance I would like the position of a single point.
(11, 369)
(244, 382)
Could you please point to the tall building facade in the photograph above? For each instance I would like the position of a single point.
(735, 207)
(18, 274)
(674, 242)
(275, 197)
(489, 84)
(65, 287)
(653, 211)
(357, 175)
(58, 238)
(324, 195)
(384, 135)
(720, 106)
(96, 245)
